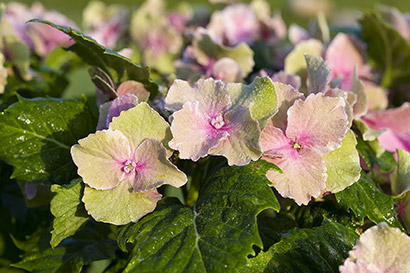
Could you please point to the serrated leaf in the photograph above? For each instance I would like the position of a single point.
(364, 199)
(321, 249)
(70, 257)
(343, 165)
(373, 154)
(215, 235)
(118, 67)
(37, 135)
(68, 210)
(259, 97)
(387, 50)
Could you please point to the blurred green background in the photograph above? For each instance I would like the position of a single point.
(73, 8)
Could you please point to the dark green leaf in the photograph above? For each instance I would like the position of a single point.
(373, 154)
(68, 257)
(366, 200)
(215, 235)
(36, 136)
(321, 249)
(68, 210)
(118, 67)
(387, 50)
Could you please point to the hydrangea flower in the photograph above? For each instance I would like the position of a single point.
(297, 138)
(41, 38)
(236, 23)
(207, 58)
(342, 65)
(123, 166)
(396, 122)
(206, 122)
(105, 23)
(380, 249)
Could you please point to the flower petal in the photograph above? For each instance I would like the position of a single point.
(319, 122)
(142, 122)
(384, 247)
(287, 95)
(155, 170)
(303, 177)
(133, 87)
(211, 94)
(318, 73)
(193, 134)
(242, 143)
(120, 104)
(99, 158)
(120, 205)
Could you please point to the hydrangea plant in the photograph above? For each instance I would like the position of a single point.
(207, 140)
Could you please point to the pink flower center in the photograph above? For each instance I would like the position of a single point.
(218, 122)
(129, 166)
(296, 146)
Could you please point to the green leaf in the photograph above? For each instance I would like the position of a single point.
(215, 235)
(68, 210)
(364, 199)
(37, 135)
(387, 50)
(259, 97)
(70, 257)
(321, 249)
(372, 154)
(118, 67)
(343, 165)
(400, 179)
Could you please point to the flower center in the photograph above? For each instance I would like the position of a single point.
(296, 146)
(129, 166)
(218, 122)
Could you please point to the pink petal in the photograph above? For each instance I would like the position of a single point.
(342, 65)
(155, 170)
(212, 95)
(242, 142)
(274, 142)
(135, 88)
(285, 78)
(120, 104)
(287, 95)
(100, 157)
(227, 70)
(319, 122)
(303, 177)
(396, 121)
(193, 133)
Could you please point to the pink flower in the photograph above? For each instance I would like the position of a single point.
(342, 55)
(41, 38)
(297, 138)
(205, 122)
(396, 122)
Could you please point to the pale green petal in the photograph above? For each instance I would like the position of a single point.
(156, 169)
(259, 97)
(400, 179)
(295, 61)
(243, 142)
(99, 158)
(318, 72)
(386, 249)
(19, 54)
(360, 107)
(120, 205)
(142, 122)
(343, 165)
